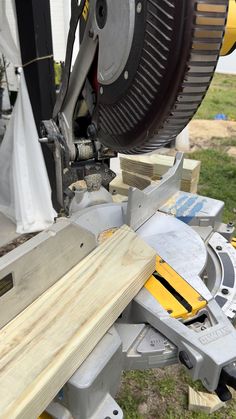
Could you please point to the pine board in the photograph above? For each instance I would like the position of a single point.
(141, 182)
(44, 345)
(136, 181)
(204, 402)
(117, 186)
(155, 165)
(119, 198)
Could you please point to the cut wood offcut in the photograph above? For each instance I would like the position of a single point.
(204, 402)
(44, 345)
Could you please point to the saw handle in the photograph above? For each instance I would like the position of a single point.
(227, 378)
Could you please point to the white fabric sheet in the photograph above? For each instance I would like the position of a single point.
(25, 194)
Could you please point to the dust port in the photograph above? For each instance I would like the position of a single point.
(6, 284)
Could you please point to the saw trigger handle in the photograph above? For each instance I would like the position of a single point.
(227, 378)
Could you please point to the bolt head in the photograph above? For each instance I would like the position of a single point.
(139, 7)
(91, 33)
(225, 291)
(126, 75)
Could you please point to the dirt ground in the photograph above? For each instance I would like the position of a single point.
(205, 133)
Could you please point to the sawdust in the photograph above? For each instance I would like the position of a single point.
(15, 243)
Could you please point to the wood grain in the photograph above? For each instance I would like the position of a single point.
(204, 402)
(44, 345)
(141, 182)
(156, 165)
(117, 186)
(121, 184)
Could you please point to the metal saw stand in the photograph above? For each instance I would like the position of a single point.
(187, 233)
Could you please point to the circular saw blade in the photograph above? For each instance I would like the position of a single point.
(174, 52)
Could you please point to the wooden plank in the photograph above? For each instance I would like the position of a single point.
(141, 182)
(117, 186)
(135, 180)
(27, 271)
(204, 402)
(43, 346)
(156, 165)
(119, 198)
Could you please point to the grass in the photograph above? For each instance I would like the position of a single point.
(163, 394)
(220, 98)
(218, 179)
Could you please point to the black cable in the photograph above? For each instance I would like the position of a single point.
(76, 13)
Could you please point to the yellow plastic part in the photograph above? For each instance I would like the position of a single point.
(45, 415)
(233, 242)
(86, 10)
(167, 299)
(229, 43)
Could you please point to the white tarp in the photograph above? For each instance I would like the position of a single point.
(25, 194)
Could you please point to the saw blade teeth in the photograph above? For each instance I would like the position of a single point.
(176, 63)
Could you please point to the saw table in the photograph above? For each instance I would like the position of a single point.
(183, 314)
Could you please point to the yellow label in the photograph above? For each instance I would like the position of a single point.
(86, 10)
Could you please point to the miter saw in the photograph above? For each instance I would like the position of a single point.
(143, 68)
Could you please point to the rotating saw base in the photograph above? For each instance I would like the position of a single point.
(174, 241)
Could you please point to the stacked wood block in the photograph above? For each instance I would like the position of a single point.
(141, 171)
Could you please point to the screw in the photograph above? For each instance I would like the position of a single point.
(218, 248)
(139, 7)
(91, 131)
(230, 224)
(225, 291)
(91, 33)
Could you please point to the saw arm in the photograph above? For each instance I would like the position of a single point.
(142, 70)
(154, 60)
(141, 73)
